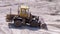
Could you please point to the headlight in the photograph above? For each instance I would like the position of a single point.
(34, 18)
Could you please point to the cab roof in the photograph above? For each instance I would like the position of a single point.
(24, 7)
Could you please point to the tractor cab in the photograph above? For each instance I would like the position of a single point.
(24, 11)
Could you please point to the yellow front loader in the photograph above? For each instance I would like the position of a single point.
(24, 17)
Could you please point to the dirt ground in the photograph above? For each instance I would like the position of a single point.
(41, 8)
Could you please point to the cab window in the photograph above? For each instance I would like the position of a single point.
(23, 11)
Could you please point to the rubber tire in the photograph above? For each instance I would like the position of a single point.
(17, 23)
(34, 24)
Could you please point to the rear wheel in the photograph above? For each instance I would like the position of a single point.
(17, 23)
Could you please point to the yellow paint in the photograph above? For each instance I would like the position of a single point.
(25, 7)
(23, 12)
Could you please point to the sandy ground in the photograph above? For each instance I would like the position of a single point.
(40, 8)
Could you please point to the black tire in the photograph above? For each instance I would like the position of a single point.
(34, 24)
(17, 23)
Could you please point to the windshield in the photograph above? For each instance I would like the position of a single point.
(25, 11)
